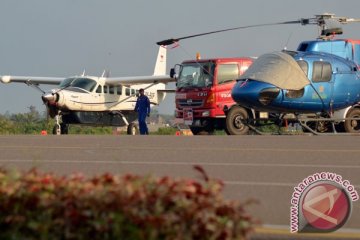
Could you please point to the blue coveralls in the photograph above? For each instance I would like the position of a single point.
(142, 107)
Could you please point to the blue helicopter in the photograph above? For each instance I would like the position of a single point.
(317, 86)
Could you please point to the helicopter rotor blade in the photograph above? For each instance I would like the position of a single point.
(328, 23)
(174, 40)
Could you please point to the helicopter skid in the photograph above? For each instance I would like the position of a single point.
(309, 126)
(307, 123)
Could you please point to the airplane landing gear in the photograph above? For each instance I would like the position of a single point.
(60, 128)
(132, 129)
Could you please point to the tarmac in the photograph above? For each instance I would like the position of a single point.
(265, 168)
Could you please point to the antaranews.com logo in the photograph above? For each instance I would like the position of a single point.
(321, 203)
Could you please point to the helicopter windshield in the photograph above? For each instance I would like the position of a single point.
(74, 84)
(193, 75)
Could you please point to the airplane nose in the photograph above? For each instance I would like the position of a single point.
(48, 98)
(267, 95)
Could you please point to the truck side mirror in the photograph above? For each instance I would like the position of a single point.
(172, 73)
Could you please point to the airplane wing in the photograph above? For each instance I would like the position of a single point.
(31, 80)
(127, 81)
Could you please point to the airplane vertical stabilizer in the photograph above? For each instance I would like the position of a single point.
(160, 66)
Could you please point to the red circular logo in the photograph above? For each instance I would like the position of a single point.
(326, 206)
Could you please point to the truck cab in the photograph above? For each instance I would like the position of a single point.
(203, 93)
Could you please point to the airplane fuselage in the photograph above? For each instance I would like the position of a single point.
(92, 94)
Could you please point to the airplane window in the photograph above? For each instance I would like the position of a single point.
(227, 73)
(111, 89)
(132, 91)
(127, 91)
(119, 90)
(322, 72)
(106, 89)
(304, 66)
(84, 83)
(99, 89)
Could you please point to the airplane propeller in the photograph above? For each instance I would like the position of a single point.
(328, 23)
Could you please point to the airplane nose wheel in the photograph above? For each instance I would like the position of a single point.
(62, 129)
(353, 126)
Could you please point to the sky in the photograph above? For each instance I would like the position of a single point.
(63, 38)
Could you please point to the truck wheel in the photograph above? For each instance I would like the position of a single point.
(132, 129)
(196, 130)
(352, 126)
(235, 121)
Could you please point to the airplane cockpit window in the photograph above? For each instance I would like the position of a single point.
(322, 71)
(195, 75)
(304, 66)
(66, 82)
(79, 83)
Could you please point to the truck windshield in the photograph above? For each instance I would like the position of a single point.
(193, 75)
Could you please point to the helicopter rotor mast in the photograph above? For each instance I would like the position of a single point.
(327, 22)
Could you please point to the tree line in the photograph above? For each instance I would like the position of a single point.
(34, 122)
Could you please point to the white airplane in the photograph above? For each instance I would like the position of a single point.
(101, 101)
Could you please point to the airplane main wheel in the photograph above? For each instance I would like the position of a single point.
(352, 126)
(235, 121)
(64, 128)
(132, 129)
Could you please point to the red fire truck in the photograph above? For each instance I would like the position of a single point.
(203, 95)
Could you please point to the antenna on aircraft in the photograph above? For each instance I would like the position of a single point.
(105, 74)
(327, 22)
(288, 40)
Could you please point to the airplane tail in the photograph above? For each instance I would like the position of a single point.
(160, 66)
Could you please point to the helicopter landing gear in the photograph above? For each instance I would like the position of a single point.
(320, 126)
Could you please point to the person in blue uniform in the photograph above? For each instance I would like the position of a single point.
(142, 107)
